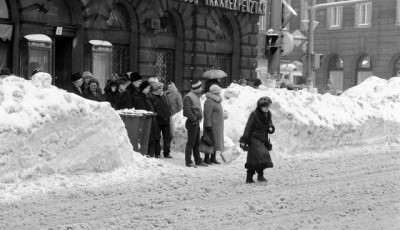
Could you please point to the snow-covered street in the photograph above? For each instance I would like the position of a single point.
(336, 164)
(349, 188)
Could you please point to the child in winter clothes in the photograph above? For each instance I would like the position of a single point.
(255, 140)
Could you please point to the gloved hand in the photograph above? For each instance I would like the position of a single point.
(244, 147)
(271, 129)
(208, 129)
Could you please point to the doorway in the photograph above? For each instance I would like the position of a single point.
(62, 62)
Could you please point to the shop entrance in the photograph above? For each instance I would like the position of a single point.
(62, 61)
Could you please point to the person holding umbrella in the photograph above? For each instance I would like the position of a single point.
(213, 77)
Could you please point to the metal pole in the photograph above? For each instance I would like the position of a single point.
(312, 10)
(276, 25)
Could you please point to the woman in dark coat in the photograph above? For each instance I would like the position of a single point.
(91, 93)
(111, 93)
(255, 140)
(143, 102)
(124, 100)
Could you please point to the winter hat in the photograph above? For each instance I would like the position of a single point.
(87, 74)
(215, 89)
(196, 84)
(35, 71)
(76, 76)
(135, 77)
(156, 85)
(264, 101)
(143, 85)
(257, 82)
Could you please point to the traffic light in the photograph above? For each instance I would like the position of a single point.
(317, 60)
(271, 43)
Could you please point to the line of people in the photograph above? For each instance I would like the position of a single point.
(130, 91)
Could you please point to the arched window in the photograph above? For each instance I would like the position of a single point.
(4, 13)
(336, 63)
(119, 18)
(364, 68)
(336, 72)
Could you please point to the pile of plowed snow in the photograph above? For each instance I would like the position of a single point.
(365, 114)
(44, 130)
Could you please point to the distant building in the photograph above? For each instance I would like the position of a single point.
(356, 41)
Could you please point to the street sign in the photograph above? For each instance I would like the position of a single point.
(298, 37)
(287, 43)
(306, 22)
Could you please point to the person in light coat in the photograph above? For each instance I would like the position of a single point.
(255, 139)
(214, 122)
(174, 98)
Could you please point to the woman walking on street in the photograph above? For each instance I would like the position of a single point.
(214, 122)
(255, 140)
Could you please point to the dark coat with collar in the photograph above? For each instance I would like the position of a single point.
(255, 135)
(143, 102)
(88, 94)
(162, 108)
(73, 89)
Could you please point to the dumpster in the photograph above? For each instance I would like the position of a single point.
(138, 126)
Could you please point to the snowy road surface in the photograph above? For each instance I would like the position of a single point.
(350, 188)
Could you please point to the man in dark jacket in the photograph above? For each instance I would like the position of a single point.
(76, 83)
(192, 110)
(163, 110)
(133, 87)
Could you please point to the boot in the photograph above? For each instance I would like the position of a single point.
(249, 178)
(261, 177)
(214, 160)
(207, 158)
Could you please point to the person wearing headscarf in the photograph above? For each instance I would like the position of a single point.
(214, 122)
(255, 140)
(174, 98)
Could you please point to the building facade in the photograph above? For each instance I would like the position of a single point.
(356, 41)
(173, 40)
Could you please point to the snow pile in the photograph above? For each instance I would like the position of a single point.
(365, 114)
(44, 130)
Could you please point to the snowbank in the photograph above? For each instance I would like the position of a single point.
(44, 130)
(365, 114)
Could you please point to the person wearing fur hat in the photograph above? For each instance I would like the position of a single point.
(111, 93)
(143, 102)
(124, 100)
(214, 122)
(193, 112)
(255, 140)
(163, 111)
(76, 83)
(133, 85)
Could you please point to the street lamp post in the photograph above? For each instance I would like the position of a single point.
(310, 51)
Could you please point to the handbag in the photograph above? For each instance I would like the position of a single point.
(207, 138)
(268, 144)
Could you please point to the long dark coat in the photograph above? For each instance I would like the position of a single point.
(112, 98)
(73, 89)
(142, 102)
(255, 135)
(124, 101)
(88, 94)
(214, 118)
(162, 108)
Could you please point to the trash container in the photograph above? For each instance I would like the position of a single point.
(138, 127)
